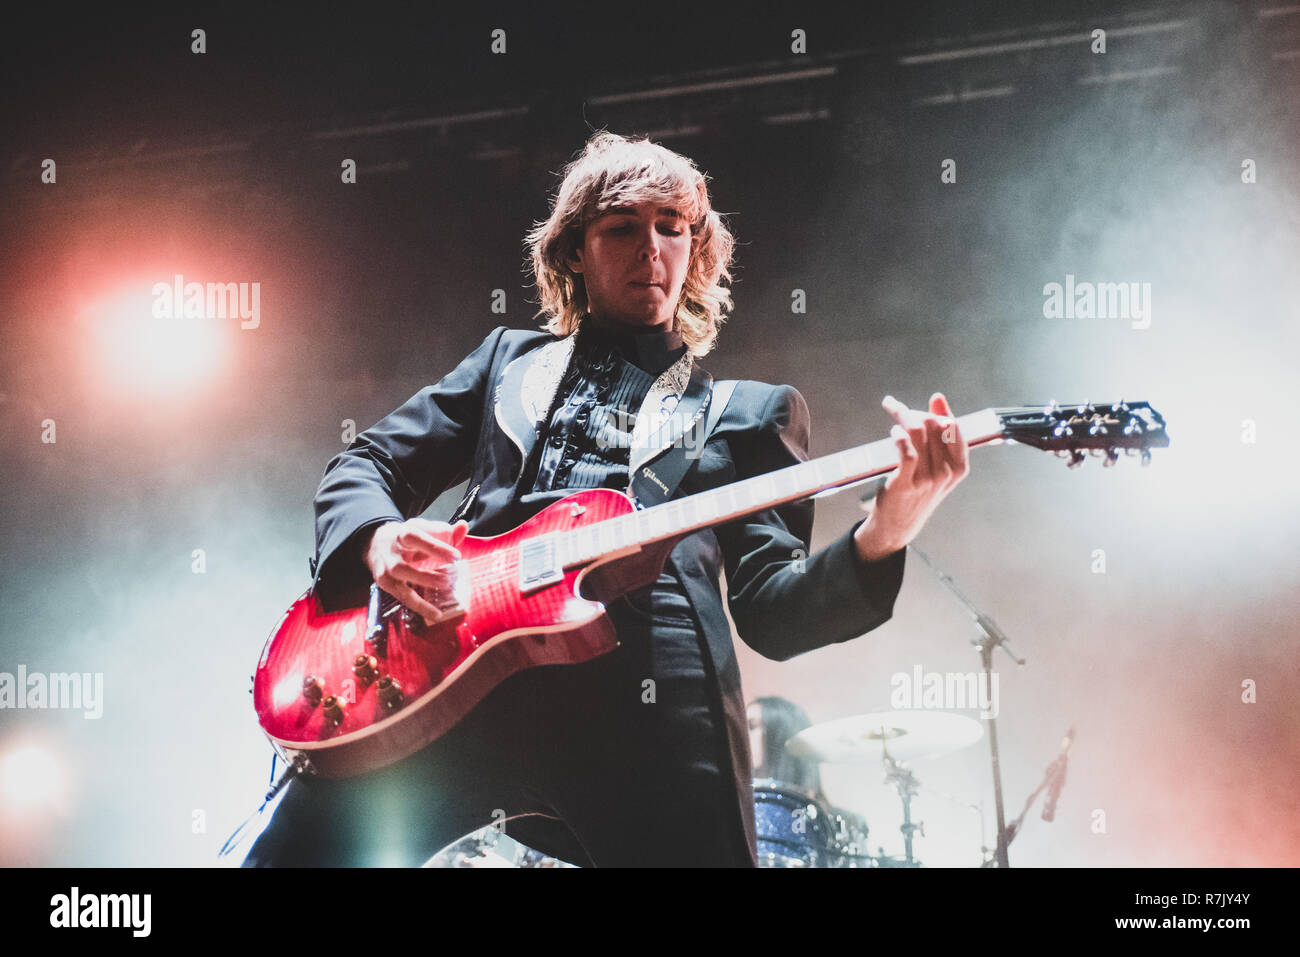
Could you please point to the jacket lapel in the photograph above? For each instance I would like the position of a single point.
(526, 389)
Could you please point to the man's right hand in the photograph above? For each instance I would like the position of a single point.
(395, 550)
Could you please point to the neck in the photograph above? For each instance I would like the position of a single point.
(628, 329)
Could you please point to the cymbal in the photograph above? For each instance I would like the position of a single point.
(907, 735)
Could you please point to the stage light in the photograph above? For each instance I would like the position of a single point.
(30, 776)
(141, 352)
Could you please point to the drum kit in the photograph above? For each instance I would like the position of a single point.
(796, 828)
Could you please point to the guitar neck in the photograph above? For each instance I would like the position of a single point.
(727, 503)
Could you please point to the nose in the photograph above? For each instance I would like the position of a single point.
(648, 248)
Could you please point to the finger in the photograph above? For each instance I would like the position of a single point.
(436, 578)
(939, 405)
(955, 448)
(907, 455)
(421, 541)
(958, 452)
(936, 453)
(409, 597)
(898, 410)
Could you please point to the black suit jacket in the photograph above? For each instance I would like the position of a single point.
(467, 427)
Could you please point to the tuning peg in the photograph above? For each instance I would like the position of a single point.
(1076, 459)
(1120, 406)
(1062, 431)
(1134, 427)
(1097, 428)
(1146, 457)
(1051, 408)
(1112, 456)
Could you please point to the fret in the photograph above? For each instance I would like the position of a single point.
(587, 541)
(706, 505)
(820, 470)
(795, 479)
(811, 476)
(606, 536)
(788, 481)
(674, 514)
(686, 510)
(860, 459)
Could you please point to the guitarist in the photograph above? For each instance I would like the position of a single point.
(640, 756)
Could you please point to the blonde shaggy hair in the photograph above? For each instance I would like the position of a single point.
(617, 171)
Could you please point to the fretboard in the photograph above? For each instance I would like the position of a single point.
(727, 503)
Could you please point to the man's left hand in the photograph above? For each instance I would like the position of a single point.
(933, 458)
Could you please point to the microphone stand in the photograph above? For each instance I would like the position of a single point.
(988, 637)
(1054, 778)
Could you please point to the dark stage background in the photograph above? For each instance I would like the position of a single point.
(160, 535)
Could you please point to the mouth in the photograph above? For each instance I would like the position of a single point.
(647, 285)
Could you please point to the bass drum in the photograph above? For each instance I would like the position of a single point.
(793, 828)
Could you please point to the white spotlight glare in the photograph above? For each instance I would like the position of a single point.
(30, 776)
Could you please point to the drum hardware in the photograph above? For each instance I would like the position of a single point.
(888, 737)
(906, 784)
(489, 848)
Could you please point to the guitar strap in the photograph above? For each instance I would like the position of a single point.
(702, 404)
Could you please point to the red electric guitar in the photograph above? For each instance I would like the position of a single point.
(345, 692)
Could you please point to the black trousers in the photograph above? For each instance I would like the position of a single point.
(609, 770)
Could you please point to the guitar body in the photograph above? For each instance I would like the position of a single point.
(354, 722)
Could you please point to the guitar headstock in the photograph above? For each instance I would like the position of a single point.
(1102, 428)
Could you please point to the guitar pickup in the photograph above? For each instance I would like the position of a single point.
(538, 565)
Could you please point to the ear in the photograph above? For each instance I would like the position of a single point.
(575, 260)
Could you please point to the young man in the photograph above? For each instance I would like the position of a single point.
(579, 760)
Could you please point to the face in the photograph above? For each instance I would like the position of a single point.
(633, 260)
(755, 715)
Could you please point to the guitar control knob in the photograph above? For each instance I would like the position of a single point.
(332, 708)
(366, 667)
(390, 692)
(313, 690)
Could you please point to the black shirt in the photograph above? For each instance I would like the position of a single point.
(586, 444)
